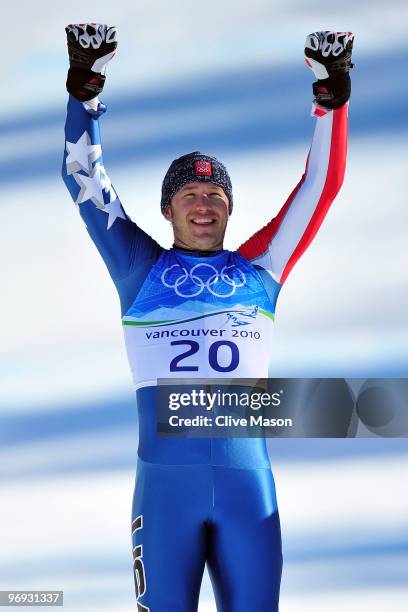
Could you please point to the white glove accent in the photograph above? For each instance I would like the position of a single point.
(325, 46)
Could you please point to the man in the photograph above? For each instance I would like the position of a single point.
(202, 500)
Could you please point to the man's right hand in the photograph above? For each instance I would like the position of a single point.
(90, 47)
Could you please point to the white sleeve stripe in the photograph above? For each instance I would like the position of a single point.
(304, 204)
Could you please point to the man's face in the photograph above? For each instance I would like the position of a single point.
(199, 215)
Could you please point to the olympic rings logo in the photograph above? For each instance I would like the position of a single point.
(214, 283)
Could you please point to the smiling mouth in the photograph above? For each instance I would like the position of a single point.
(202, 221)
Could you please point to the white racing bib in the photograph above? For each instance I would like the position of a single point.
(199, 317)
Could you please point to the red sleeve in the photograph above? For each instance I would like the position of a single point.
(280, 243)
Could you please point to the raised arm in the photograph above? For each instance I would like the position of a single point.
(126, 249)
(278, 245)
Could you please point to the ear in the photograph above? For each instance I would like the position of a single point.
(168, 214)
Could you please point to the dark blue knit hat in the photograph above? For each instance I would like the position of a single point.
(191, 168)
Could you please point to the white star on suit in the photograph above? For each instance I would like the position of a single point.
(81, 154)
(91, 188)
(115, 210)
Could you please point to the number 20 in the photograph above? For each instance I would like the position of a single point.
(193, 348)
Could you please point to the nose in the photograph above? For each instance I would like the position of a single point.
(203, 202)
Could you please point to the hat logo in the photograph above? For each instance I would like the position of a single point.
(202, 168)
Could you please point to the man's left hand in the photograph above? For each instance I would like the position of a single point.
(328, 54)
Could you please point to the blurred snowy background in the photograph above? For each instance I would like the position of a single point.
(227, 78)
